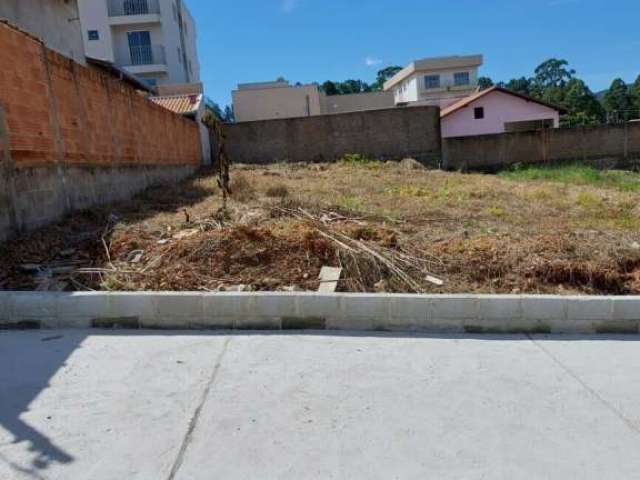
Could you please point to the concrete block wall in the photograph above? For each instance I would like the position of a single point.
(382, 134)
(610, 146)
(40, 197)
(298, 311)
(72, 137)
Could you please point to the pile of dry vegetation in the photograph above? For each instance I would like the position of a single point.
(390, 227)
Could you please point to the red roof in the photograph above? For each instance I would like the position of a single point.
(182, 104)
(466, 101)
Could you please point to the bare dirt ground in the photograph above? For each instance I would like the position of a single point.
(391, 227)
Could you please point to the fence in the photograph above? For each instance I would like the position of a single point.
(118, 8)
(613, 146)
(390, 133)
(142, 55)
(72, 137)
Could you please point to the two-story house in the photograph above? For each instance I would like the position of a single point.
(155, 40)
(435, 81)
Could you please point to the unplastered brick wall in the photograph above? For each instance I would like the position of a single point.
(73, 137)
(59, 112)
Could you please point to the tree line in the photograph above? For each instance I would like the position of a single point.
(555, 82)
(347, 87)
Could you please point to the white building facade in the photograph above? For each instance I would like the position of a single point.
(55, 22)
(155, 40)
(435, 81)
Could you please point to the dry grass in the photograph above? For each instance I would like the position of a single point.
(479, 233)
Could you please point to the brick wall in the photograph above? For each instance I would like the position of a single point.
(59, 111)
(610, 146)
(72, 137)
(383, 134)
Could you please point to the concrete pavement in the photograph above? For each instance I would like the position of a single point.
(91, 404)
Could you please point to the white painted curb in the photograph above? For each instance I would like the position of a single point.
(297, 311)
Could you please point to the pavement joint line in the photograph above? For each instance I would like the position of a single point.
(193, 422)
(628, 422)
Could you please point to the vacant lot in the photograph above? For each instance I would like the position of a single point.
(391, 226)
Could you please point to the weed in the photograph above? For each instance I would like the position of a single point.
(351, 202)
(355, 159)
(540, 194)
(241, 189)
(497, 212)
(409, 191)
(589, 201)
(576, 174)
(277, 191)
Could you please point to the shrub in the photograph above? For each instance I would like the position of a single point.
(277, 191)
(241, 189)
(355, 159)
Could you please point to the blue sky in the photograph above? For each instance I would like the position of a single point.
(315, 40)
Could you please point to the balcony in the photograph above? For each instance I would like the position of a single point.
(143, 59)
(125, 12)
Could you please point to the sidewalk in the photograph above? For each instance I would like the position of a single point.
(189, 406)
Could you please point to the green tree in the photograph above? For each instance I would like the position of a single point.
(353, 86)
(384, 75)
(213, 109)
(617, 101)
(552, 73)
(519, 85)
(634, 92)
(484, 83)
(330, 88)
(229, 115)
(582, 105)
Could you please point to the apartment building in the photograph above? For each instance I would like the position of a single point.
(438, 81)
(155, 40)
(55, 22)
(279, 99)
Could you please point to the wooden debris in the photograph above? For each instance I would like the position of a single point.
(186, 233)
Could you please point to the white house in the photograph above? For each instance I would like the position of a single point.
(154, 40)
(435, 81)
(497, 110)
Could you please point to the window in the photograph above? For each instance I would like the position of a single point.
(152, 82)
(179, 56)
(461, 78)
(140, 48)
(93, 35)
(432, 81)
(478, 113)
(190, 68)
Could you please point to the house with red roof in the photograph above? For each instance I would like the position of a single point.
(497, 110)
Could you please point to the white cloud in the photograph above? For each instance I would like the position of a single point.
(288, 6)
(372, 61)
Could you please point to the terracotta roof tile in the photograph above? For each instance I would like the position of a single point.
(182, 104)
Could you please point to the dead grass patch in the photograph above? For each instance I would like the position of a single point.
(479, 233)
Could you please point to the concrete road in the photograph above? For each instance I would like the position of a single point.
(162, 406)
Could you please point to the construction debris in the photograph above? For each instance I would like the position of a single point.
(385, 229)
(329, 278)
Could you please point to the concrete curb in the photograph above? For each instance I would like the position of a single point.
(299, 311)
